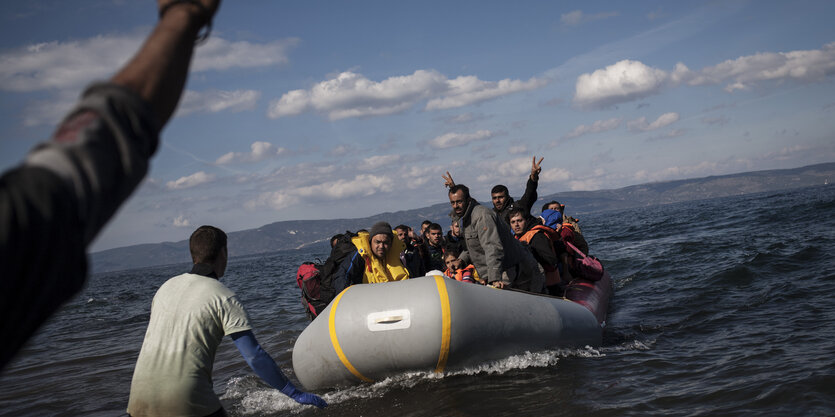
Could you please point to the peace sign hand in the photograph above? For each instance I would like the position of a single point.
(536, 168)
(448, 182)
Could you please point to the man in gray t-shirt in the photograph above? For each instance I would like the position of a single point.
(190, 314)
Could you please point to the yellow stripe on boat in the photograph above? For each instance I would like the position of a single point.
(335, 341)
(446, 325)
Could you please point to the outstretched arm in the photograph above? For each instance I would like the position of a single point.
(530, 195)
(54, 204)
(157, 72)
(266, 368)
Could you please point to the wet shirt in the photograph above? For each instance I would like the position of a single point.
(190, 314)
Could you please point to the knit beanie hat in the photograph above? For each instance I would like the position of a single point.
(380, 228)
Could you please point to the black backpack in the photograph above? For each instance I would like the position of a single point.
(316, 280)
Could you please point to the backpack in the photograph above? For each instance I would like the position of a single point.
(309, 279)
(316, 280)
(585, 266)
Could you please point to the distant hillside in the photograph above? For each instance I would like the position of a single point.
(301, 233)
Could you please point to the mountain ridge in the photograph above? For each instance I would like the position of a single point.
(297, 234)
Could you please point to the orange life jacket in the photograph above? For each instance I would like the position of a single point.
(459, 274)
(552, 274)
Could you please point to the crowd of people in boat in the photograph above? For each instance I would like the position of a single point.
(505, 247)
(59, 198)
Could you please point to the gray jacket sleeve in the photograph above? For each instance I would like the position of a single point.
(484, 222)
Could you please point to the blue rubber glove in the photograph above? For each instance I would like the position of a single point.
(302, 397)
(266, 368)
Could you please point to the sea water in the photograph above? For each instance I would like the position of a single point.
(721, 307)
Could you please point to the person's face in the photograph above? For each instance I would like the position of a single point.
(402, 234)
(435, 237)
(423, 228)
(555, 207)
(517, 224)
(458, 203)
(380, 245)
(456, 229)
(499, 200)
(453, 263)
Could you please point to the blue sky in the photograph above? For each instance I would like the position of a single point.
(318, 110)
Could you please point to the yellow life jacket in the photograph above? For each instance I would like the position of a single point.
(375, 271)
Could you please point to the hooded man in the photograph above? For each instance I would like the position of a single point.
(377, 259)
(498, 257)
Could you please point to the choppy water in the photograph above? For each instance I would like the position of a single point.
(722, 307)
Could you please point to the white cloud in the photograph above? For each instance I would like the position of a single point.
(363, 185)
(190, 181)
(631, 80)
(516, 167)
(214, 101)
(464, 91)
(641, 125)
(451, 140)
(618, 83)
(577, 17)
(220, 54)
(554, 175)
(181, 221)
(62, 65)
(743, 72)
(596, 127)
(517, 149)
(377, 161)
(349, 94)
(259, 152)
(72, 64)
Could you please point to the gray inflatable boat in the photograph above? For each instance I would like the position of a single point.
(372, 331)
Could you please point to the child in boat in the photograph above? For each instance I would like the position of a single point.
(456, 269)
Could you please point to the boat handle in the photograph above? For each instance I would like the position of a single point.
(388, 320)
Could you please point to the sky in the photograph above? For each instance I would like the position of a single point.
(300, 110)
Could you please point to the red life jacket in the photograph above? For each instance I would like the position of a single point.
(552, 274)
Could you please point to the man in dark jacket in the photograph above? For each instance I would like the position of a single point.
(546, 247)
(499, 259)
(503, 203)
(433, 248)
(411, 255)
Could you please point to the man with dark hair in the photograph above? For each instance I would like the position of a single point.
(454, 238)
(378, 258)
(499, 259)
(502, 202)
(190, 314)
(423, 226)
(545, 246)
(433, 248)
(411, 255)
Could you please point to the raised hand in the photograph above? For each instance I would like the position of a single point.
(302, 397)
(535, 168)
(448, 182)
